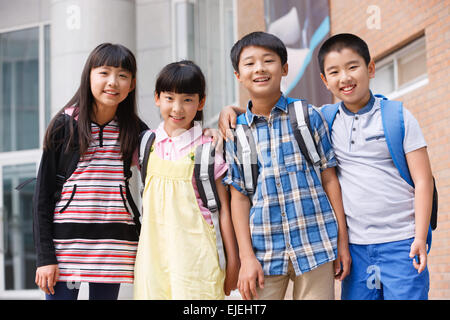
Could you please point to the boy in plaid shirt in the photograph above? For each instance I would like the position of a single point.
(295, 227)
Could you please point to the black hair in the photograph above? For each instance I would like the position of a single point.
(105, 54)
(258, 39)
(341, 41)
(182, 77)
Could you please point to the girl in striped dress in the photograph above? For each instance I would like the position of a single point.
(86, 231)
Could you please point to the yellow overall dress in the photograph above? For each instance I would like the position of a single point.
(177, 256)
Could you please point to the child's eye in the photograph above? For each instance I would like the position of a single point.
(123, 76)
(353, 67)
(248, 64)
(268, 61)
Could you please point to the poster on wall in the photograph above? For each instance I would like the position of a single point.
(303, 26)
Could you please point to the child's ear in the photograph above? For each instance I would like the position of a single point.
(284, 70)
(237, 75)
(132, 85)
(324, 80)
(157, 100)
(371, 69)
(201, 104)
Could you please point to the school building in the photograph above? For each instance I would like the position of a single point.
(44, 44)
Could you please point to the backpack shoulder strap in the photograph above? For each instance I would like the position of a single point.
(394, 130)
(248, 157)
(329, 112)
(147, 139)
(299, 118)
(206, 185)
(68, 159)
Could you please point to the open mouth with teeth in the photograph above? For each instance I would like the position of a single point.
(174, 118)
(348, 89)
(111, 93)
(261, 79)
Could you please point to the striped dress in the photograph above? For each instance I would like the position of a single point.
(94, 234)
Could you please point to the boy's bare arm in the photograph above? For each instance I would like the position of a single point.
(420, 170)
(250, 272)
(229, 239)
(332, 188)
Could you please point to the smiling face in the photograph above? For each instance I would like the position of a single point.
(110, 85)
(260, 71)
(347, 77)
(178, 110)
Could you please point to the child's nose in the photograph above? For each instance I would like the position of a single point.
(345, 76)
(259, 66)
(176, 107)
(112, 80)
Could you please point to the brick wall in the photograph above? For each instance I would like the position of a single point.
(401, 21)
(250, 17)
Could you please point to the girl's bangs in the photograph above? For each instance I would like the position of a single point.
(181, 80)
(114, 56)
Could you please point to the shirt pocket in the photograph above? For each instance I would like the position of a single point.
(123, 195)
(74, 189)
(376, 137)
(292, 157)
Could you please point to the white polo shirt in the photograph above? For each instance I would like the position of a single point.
(378, 203)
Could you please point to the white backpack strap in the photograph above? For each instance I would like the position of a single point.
(246, 152)
(207, 190)
(306, 134)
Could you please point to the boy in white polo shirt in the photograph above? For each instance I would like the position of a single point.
(387, 219)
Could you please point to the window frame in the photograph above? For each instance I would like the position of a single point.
(393, 58)
(22, 157)
(212, 121)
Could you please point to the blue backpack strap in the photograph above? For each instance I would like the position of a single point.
(394, 131)
(329, 112)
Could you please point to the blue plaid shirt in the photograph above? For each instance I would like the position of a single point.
(291, 217)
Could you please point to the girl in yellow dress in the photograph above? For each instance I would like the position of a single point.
(177, 255)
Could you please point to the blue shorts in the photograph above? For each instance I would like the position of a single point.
(384, 272)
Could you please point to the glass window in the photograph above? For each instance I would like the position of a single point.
(205, 34)
(19, 253)
(401, 71)
(20, 90)
(19, 58)
(47, 74)
(412, 66)
(385, 79)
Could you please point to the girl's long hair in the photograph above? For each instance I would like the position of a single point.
(106, 54)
